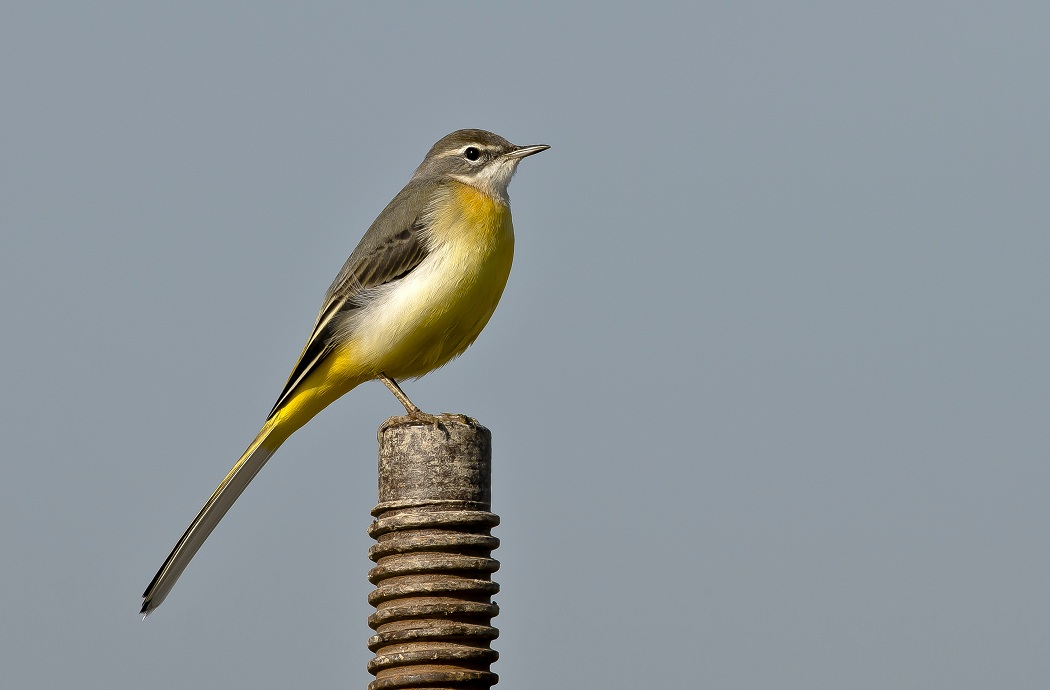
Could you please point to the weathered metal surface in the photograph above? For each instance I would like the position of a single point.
(433, 558)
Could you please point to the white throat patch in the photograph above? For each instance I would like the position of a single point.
(493, 178)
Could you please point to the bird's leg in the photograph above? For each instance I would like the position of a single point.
(410, 408)
(414, 412)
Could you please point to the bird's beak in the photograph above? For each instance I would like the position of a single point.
(523, 151)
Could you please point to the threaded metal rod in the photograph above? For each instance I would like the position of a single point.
(433, 558)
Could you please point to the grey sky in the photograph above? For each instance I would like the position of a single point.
(768, 387)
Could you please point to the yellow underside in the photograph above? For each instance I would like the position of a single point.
(427, 319)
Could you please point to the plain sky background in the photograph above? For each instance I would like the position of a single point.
(769, 385)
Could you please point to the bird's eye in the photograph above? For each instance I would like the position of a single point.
(471, 153)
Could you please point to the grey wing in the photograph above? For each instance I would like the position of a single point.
(391, 249)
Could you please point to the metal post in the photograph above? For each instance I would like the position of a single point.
(433, 558)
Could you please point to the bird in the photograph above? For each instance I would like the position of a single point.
(414, 294)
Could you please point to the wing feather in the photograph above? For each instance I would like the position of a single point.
(392, 248)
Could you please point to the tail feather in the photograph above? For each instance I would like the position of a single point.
(227, 492)
(331, 376)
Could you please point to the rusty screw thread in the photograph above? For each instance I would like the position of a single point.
(433, 559)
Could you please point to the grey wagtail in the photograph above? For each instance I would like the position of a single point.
(413, 295)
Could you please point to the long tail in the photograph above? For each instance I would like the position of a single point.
(327, 376)
(231, 487)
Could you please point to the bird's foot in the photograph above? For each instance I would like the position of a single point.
(433, 420)
(461, 418)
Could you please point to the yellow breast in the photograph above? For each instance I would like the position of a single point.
(434, 313)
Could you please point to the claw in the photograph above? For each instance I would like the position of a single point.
(435, 421)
